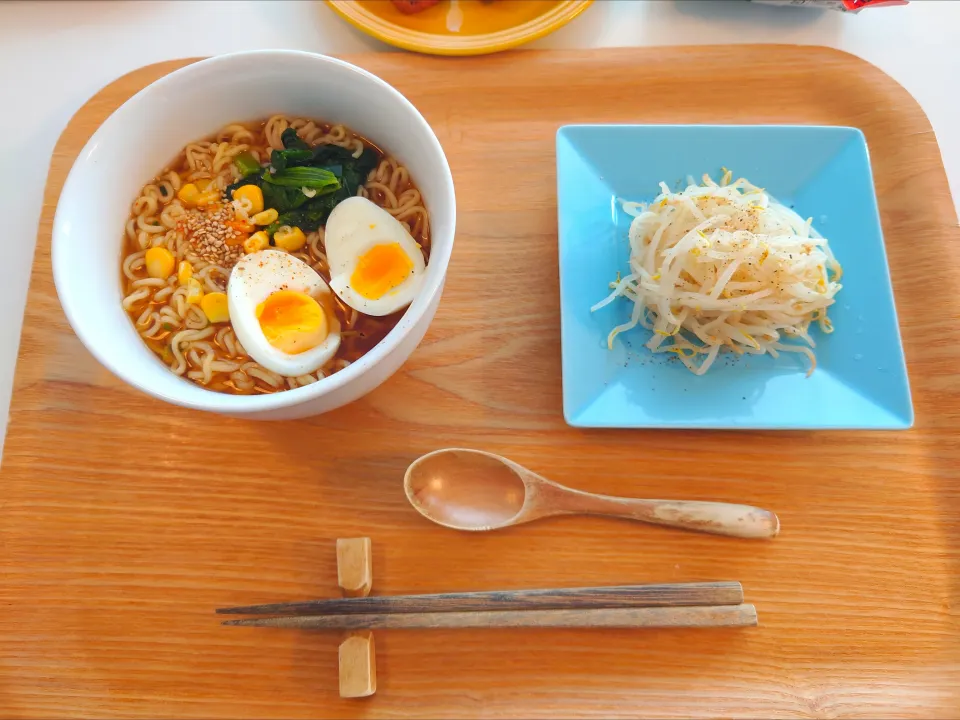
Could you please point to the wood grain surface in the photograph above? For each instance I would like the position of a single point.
(124, 522)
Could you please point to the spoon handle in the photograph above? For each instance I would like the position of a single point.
(743, 521)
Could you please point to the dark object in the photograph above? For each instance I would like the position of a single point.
(677, 594)
(701, 616)
(314, 178)
(312, 213)
(331, 170)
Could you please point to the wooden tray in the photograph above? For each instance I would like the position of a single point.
(126, 521)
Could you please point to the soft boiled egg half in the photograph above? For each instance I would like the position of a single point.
(376, 267)
(281, 311)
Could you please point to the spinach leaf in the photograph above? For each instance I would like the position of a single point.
(282, 159)
(337, 170)
(282, 198)
(311, 215)
(355, 170)
(308, 177)
(292, 141)
(352, 172)
(355, 173)
(332, 154)
(331, 170)
(283, 191)
(368, 160)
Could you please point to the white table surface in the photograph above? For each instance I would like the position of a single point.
(56, 55)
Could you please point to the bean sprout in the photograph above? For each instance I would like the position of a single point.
(725, 267)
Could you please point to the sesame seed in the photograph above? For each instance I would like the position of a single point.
(210, 237)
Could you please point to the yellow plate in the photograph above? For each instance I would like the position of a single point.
(460, 27)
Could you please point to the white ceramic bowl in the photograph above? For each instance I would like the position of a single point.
(147, 131)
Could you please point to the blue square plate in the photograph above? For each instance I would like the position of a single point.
(823, 172)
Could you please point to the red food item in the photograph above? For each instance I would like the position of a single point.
(853, 6)
(858, 5)
(409, 7)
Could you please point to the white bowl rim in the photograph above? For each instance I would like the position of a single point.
(243, 404)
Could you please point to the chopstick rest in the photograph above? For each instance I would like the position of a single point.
(358, 665)
(357, 654)
(355, 566)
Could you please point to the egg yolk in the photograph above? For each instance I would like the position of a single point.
(292, 322)
(380, 269)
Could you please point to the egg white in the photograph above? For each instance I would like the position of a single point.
(252, 280)
(355, 226)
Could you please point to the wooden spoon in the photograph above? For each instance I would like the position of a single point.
(475, 490)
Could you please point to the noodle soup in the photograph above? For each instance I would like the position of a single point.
(273, 254)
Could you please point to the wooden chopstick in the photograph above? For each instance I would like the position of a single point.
(633, 617)
(677, 594)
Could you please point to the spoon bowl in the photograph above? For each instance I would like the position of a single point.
(465, 489)
(474, 490)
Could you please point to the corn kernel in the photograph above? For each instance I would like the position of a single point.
(184, 272)
(256, 242)
(266, 217)
(290, 239)
(188, 195)
(159, 262)
(253, 195)
(208, 198)
(215, 307)
(194, 291)
(199, 194)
